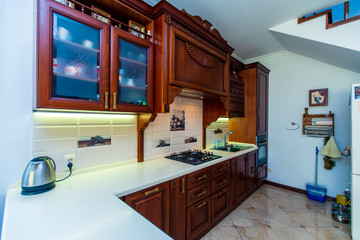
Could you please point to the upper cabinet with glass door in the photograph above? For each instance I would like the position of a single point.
(131, 72)
(74, 58)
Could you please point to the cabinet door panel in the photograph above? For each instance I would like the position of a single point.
(262, 103)
(251, 170)
(73, 59)
(240, 182)
(220, 203)
(178, 208)
(197, 218)
(153, 204)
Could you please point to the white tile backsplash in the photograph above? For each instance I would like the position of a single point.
(56, 135)
(54, 132)
(221, 123)
(88, 131)
(123, 129)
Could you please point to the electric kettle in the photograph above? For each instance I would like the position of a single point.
(39, 176)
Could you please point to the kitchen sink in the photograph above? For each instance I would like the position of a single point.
(232, 148)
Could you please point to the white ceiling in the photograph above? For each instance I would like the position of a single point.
(245, 23)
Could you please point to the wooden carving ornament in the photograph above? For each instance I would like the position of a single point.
(206, 24)
(201, 57)
(173, 92)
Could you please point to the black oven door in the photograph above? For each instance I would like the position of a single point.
(262, 150)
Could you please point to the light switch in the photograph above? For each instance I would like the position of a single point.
(359, 106)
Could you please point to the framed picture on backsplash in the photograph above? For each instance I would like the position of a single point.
(94, 141)
(318, 97)
(177, 121)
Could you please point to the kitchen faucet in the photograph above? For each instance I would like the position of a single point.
(226, 136)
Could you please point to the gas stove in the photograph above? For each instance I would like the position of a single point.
(193, 157)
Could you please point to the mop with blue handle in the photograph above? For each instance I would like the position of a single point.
(315, 192)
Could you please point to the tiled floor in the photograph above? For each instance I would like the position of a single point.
(276, 214)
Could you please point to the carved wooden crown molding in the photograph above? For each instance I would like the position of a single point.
(205, 24)
(201, 57)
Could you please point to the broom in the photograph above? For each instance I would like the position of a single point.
(315, 192)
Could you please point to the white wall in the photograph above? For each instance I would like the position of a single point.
(291, 154)
(16, 78)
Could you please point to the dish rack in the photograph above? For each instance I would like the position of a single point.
(318, 125)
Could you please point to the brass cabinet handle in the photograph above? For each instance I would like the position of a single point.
(222, 169)
(202, 177)
(106, 100)
(183, 185)
(222, 183)
(200, 205)
(152, 191)
(201, 194)
(115, 100)
(222, 192)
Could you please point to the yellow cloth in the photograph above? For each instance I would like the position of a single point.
(330, 149)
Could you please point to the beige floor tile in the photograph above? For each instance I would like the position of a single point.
(226, 222)
(259, 200)
(273, 213)
(289, 202)
(292, 233)
(246, 217)
(256, 233)
(222, 233)
(309, 218)
(276, 217)
(328, 233)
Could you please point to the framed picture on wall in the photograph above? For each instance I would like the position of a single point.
(318, 97)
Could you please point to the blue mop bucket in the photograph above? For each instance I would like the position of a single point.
(315, 192)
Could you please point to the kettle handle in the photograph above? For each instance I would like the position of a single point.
(53, 163)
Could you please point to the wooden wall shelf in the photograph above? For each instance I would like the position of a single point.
(318, 125)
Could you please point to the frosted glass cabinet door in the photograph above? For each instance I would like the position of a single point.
(131, 72)
(76, 75)
(76, 55)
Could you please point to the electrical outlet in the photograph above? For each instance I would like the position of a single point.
(67, 159)
(269, 170)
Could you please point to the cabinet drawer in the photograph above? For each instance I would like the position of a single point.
(198, 218)
(220, 203)
(262, 172)
(196, 178)
(198, 193)
(220, 168)
(219, 182)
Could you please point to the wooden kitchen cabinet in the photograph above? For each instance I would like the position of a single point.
(74, 59)
(237, 90)
(190, 54)
(244, 176)
(177, 228)
(239, 178)
(255, 121)
(153, 204)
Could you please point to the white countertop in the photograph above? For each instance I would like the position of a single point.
(86, 206)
